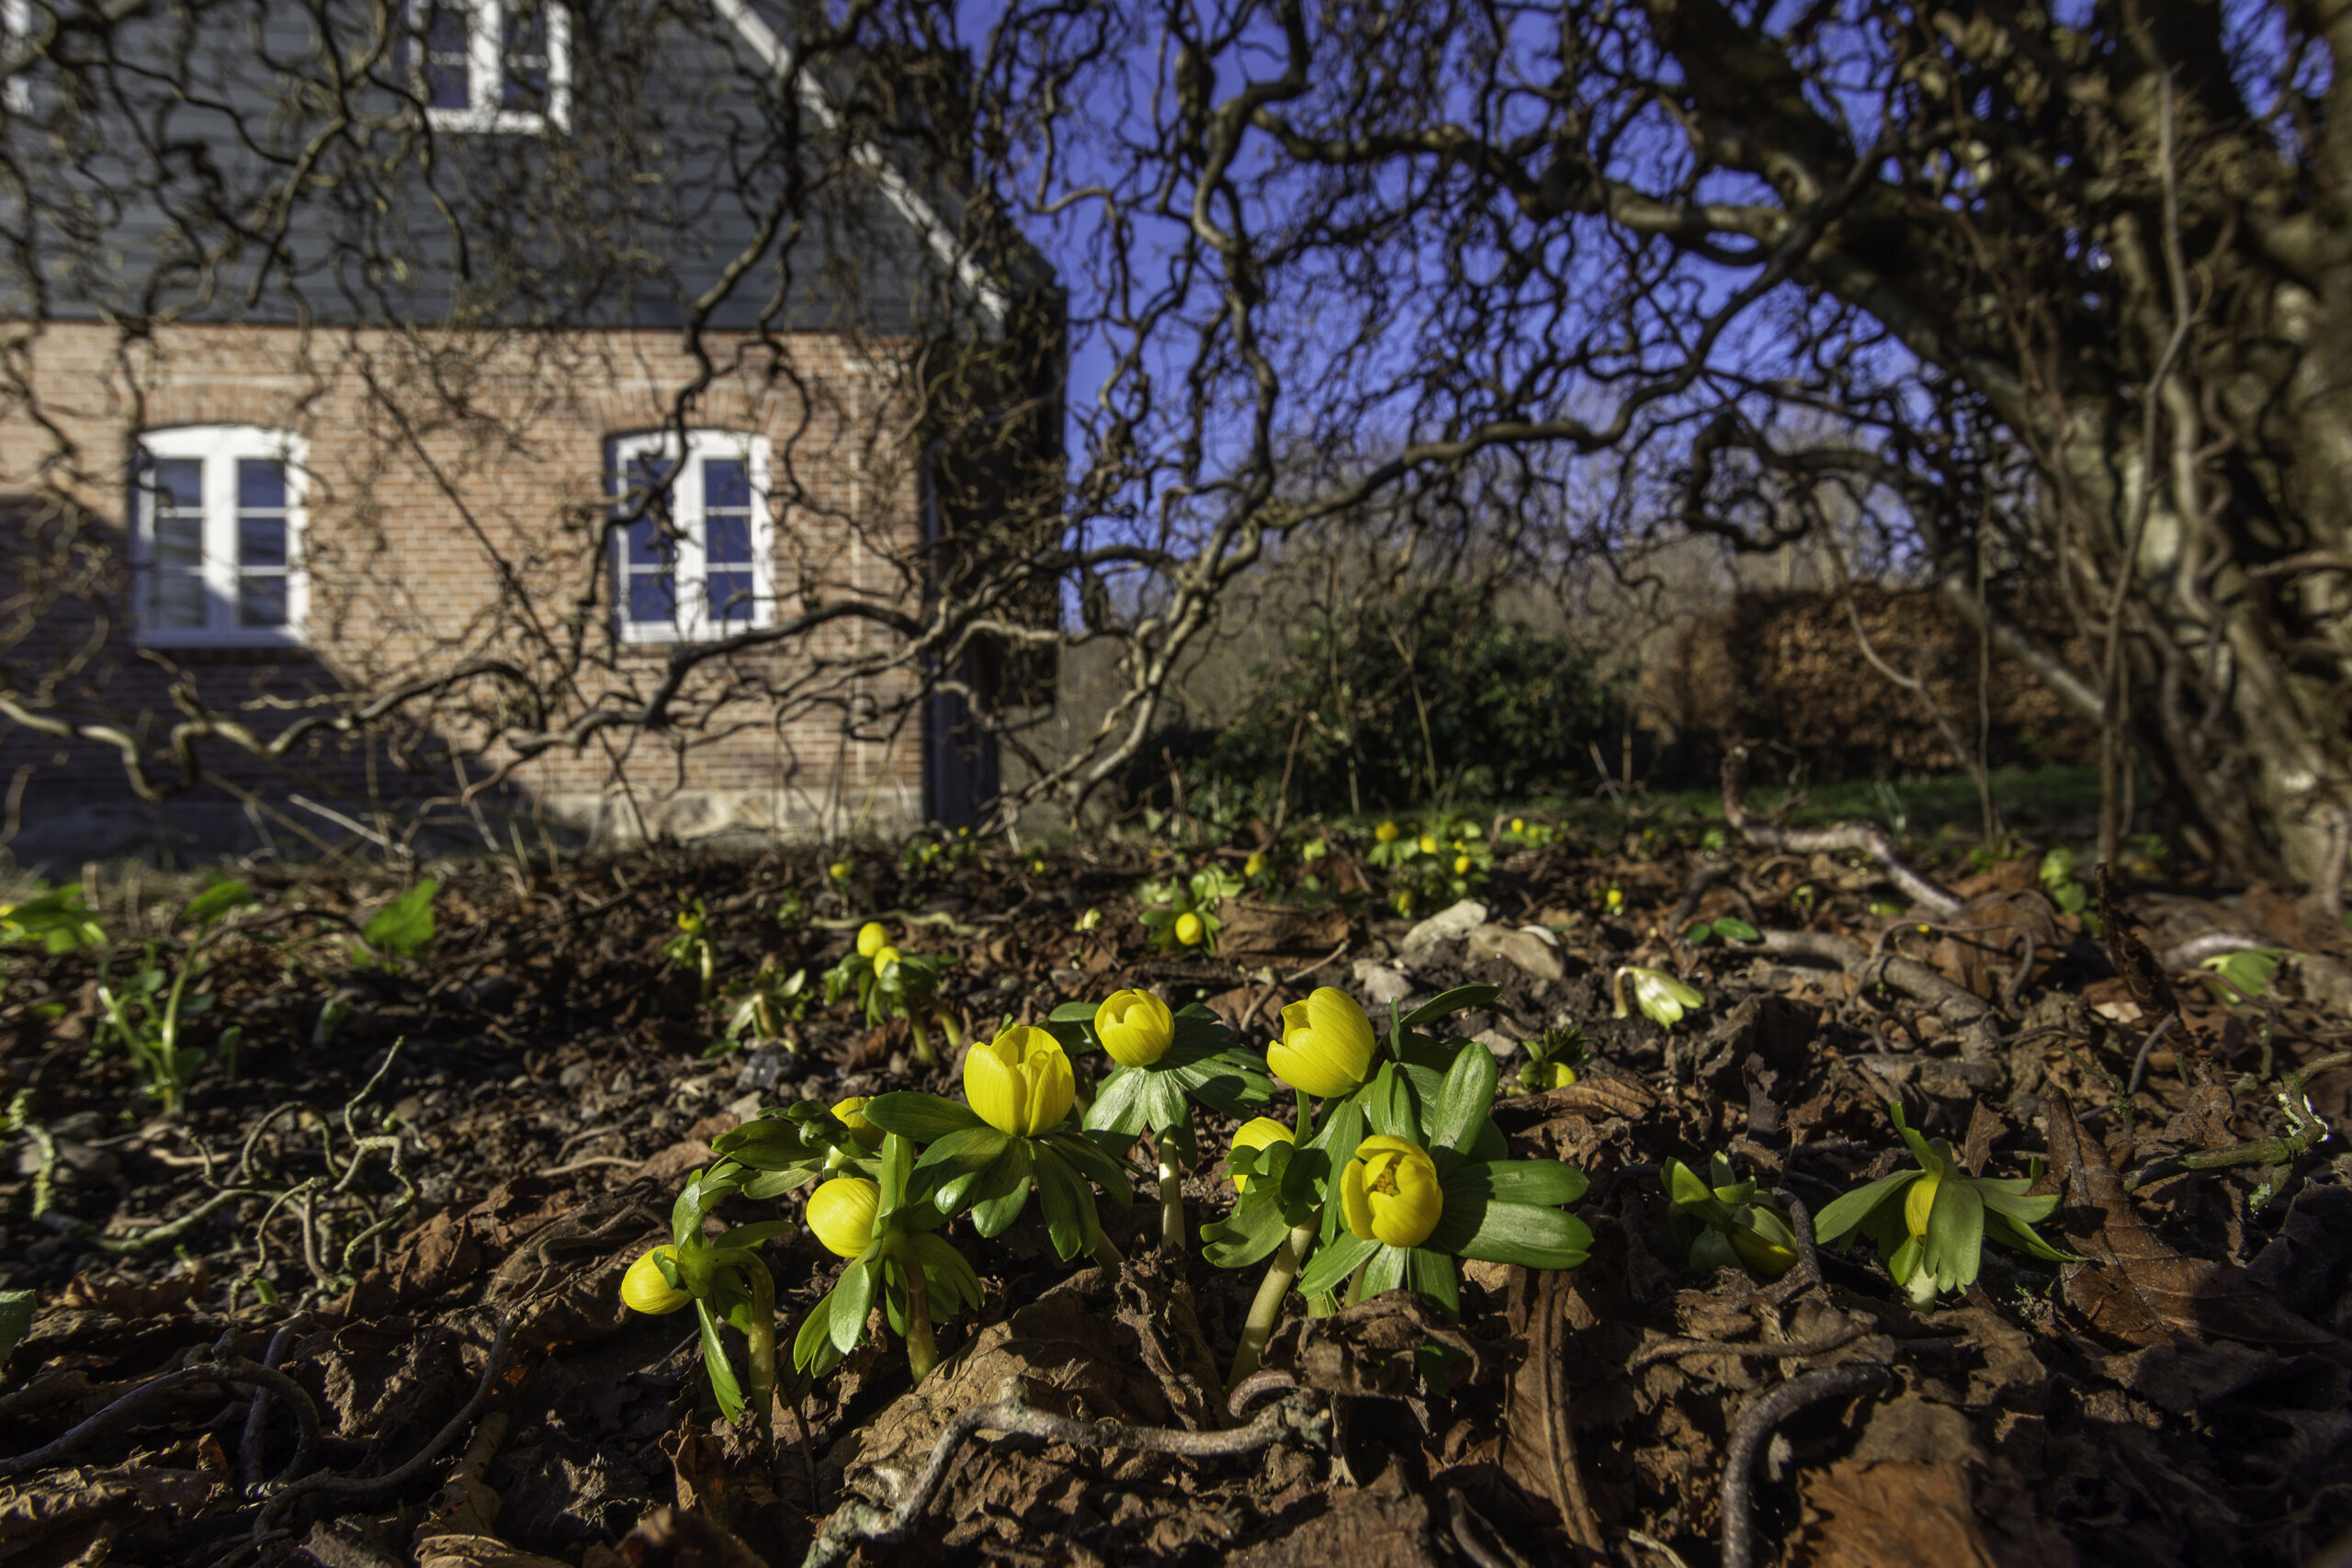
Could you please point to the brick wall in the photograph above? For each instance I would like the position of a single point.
(455, 497)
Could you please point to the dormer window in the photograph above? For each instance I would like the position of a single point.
(494, 65)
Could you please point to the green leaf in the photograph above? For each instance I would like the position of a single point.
(776, 1183)
(1249, 1233)
(403, 927)
(1068, 1207)
(968, 1149)
(1387, 1272)
(2006, 1229)
(1843, 1214)
(1738, 931)
(998, 1194)
(1389, 1105)
(895, 1168)
(16, 1321)
(925, 1118)
(754, 1233)
(1088, 1159)
(1333, 1262)
(853, 1293)
(1119, 1103)
(723, 1386)
(1546, 1184)
(1530, 1237)
(214, 902)
(1463, 1101)
(1233, 1082)
(1432, 1274)
(1459, 1000)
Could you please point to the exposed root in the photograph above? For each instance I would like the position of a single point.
(1863, 837)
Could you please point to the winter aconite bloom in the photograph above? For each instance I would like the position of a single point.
(1390, 1191)
(645, 1290)
(851, 1114)
(885, 958)
(1136, 1027)
(1189, 930)
(1257, 1133)
(1325, 1048)
(840, 871)
(1429, 844)
(1255, 864)
(1461, 865)
(842, 1215)
(872, 937)
(1020, 1083)
(1662, 997)
(1385, 832)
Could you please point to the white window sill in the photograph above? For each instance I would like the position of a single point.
(496, 122)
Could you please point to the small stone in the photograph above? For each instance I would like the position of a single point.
(1501, 1046)
(1377, 985)
(1520, 949)
(1447, 925)
(575, 1076)
(743, 1110)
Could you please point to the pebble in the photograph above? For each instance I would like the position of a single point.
(1377, 985)
(1521, 949)
(1447, 925)
(575, 1076)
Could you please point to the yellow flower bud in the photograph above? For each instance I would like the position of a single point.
(1135, 1027)
(840, 1213)
(1189, 930)
(1256, 865)
(1461, 865)
(1325, 1048)
(1616, 900)
(851, 1114)
(643, 1288)
(885, 958)
(1020, 1082)
(1919, 1202)
(1257, 1133)
(1390, 1193)
(1519, 823)
(1385, 832)
(872, 939)
(838, 871)
(1404, 902)
(1429, 844)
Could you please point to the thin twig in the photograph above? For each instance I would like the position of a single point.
(2139, 1062)
(249, 1452)
(1756, 1423)
(235, 1373)
(858, 1523)
(1793, 1351)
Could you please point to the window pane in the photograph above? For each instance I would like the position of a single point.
(523, 54)
(261, 541)
(730, 596)
(177, 601)
(653, 597)
(261, 599)
(726, 484)
(179, 541)
(648, 543)
(260, 484)
(448, 57)
(728, 538)
(178, 484)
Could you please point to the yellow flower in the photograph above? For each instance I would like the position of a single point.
(851, 1114)
(1429, 844)
(838, 871)
(644, 1289)
(1255, 864)
(1189, 931)
(1404, 902)
(872, 939)
(1519, 823)
(1616, 899)
(1325, 1048)
(885, 957)
(1920, 1199)
(1390, 1193)
(1256, 1133)
(1020, 1082)
(1136, 1027)
(842, 1215)
(1461, 865)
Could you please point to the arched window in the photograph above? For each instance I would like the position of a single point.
(691, 556)
(219, 543)
(493, 65)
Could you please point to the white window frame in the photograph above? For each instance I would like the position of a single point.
(691, 569)
(486, 70)
(218, 447)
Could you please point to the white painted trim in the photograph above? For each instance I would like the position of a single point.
(486, 72)
(691, 571)
(909, 203)
(218, 446)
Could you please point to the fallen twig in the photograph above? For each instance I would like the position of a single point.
(1861, 838)
(857, 1522)
(1756, 1423)
(234, 1373)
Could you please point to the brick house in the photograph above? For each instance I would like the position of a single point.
(260, 489)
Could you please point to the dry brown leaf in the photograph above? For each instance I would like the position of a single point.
(2135, 1287)
(128, 1299)
(1983, 941)
(1269, 931)
(1871, 1516)
(2143, 974)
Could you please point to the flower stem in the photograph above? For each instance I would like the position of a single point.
(1266, 1310)
(923, 1052)
(1107, 1253)
(1177, 1153)
(762, 1339)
